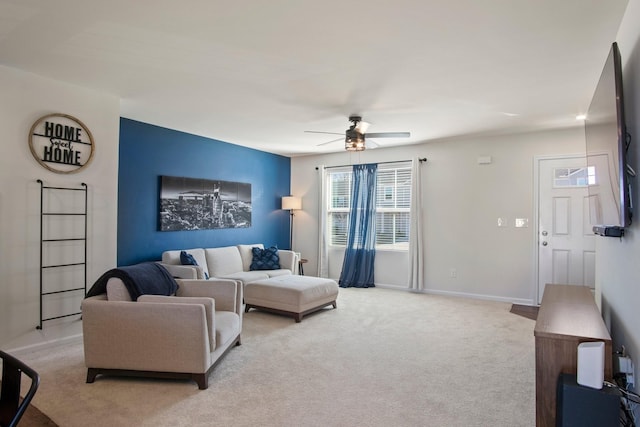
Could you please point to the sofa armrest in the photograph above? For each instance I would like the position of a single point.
(288, 260)
(184, 271)
(145, 336)
(227, 293)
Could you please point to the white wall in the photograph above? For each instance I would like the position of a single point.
(463, 201)
(25, 98)
(617, 270)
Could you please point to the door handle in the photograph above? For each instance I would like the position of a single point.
(544, 243)
(544, 233)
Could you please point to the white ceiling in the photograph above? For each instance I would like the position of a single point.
(259, 73)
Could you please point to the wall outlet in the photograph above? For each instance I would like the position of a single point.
(453, 273)
(625, 366)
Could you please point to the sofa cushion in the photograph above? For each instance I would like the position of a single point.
(188, 259)
(247, 255)
(265, 259)
(278, 272)
(247, 276)
(173, 257)
(227, 326)
(223, 261)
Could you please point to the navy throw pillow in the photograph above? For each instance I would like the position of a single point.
(188, 259)
(265, 259)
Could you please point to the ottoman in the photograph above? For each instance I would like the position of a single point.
(291, 295)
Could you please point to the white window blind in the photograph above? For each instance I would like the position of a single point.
(393, 201)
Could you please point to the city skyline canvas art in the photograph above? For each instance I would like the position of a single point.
(203, 204)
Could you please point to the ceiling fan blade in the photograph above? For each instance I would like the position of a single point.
(369, 143)
(388, 135)
(329, 133)
(329, 142)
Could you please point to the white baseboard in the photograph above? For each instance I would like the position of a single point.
(519, 301)
(19, 351)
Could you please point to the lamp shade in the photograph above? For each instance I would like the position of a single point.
(290, 203)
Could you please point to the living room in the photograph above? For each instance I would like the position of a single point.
(462, 198)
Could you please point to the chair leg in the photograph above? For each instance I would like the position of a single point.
(202, 380)
(91, 375)
(10, 392)
(11, 408)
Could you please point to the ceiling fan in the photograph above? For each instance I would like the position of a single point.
(354, 137)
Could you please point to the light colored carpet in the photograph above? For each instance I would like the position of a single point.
(382, 358)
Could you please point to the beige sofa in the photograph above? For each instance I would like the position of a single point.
(227, 262)
(182, 336)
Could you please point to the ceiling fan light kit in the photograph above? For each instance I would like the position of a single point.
(354, 140)
(350, 145)
(355, 135)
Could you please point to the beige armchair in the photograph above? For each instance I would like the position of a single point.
(182, 336)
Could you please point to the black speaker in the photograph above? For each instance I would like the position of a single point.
(580, 406)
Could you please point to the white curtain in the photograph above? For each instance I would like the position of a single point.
(416, 232)
(323, 250)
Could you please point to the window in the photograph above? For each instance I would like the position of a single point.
(393, 202)
(574, 177)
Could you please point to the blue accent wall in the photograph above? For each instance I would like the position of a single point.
(148, 152)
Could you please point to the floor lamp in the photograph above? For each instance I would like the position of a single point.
(291, 203)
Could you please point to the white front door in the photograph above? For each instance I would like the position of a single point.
(566, 243)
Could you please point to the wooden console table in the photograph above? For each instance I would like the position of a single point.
(568, 316)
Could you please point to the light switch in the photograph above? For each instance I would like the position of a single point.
(502, 222)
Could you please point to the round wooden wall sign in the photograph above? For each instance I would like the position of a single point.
(61, 143)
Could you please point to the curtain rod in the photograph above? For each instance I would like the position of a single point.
(421, 160)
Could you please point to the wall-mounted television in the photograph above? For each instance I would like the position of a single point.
(607, 143)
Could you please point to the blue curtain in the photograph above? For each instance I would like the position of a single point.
(360, 254)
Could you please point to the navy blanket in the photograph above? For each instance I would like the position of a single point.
(139, 279)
